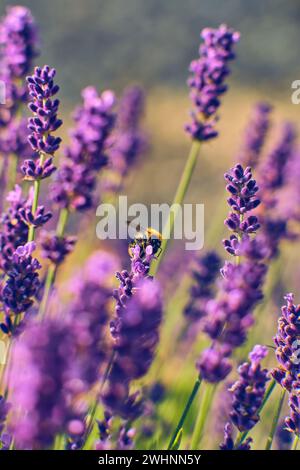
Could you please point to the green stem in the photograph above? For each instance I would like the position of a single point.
(242, 435)
(185, 411)
(13, 167)
(62, 222)
(295, 443)
(178, 200)
(275, 420)
(51, 273)
(37, 186)
(202, 415)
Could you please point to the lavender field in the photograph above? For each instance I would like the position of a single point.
(139, 343)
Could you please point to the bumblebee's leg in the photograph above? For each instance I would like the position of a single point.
(158, 253)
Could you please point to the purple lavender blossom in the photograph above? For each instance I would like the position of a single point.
(129, 141)
(5, 438)
(138, 334)
(86, 154)
(256, 134)
(228, 443)
(274, 183)
(287, 347)
(204, 274)
(4, 408)
(273, 169)
(104, 431)
(286, 342)
(207, 81)
(213, 364)
(38, 170)
(18, 49)
(125, 435)
(14, 230)
(14, 139)
(56, 248)
(38, 219)
(89, 313)
(23, 280)
(293, 421)
(140, 266)
(18, 41)
(44, 108)
(230, 314)
(44, 378)
(242, 189)
(283, 437)
(248, 392)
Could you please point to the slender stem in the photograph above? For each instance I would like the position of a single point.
(202, 415)
(242, 435)
(178, 200)
(295, 442)
(47, 289)
(13, 167)
(3, 178)
(62, 222)
(94, 407)
(37, 186)
(185, 411)
(275, 420)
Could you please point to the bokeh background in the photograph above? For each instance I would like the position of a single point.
(112, 43)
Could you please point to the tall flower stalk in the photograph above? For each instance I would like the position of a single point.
(207, 85)
(18, 50)
(227, 322)
(287, 372)
(247, 395)
(44, 122)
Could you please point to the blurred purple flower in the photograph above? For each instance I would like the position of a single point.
(129, 141)
(256, 133)
(18, 41)
(206, 269)
(23, 281)
(135, 344)
(248, 392)
(287, 354)
(14, 230)
(228, 443)
(56, 248)
(86, 154)
(44, 376)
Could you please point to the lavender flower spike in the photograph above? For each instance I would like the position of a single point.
(248, 392)
(42, 89)
(242, 189)
(287, 349)
(18, 38)
(138, 335)
(87, 152)
(23, 281)
(228, 443)
(207, 80)
(256, 134)
(204, 274)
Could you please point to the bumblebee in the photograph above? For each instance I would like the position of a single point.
(144, 238)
